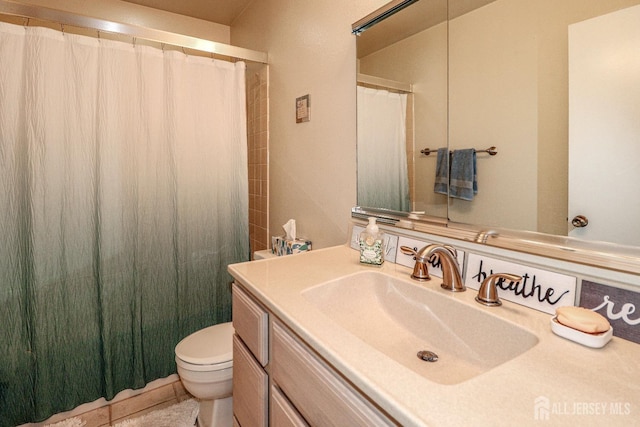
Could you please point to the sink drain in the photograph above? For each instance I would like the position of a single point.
(427, 356)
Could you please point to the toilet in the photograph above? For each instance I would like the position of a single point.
(205, 364)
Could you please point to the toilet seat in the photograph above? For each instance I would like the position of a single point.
(209, 348)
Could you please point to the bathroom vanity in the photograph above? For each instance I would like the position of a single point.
(271, 386)
(324, 340)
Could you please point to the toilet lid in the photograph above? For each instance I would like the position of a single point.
(208, 346)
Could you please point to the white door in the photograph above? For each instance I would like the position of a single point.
(604, 127)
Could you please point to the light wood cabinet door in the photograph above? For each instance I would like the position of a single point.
(281, 412)
(251, 322)
(321, 396)
(250, 387)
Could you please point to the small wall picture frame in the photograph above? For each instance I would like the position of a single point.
(302, 109)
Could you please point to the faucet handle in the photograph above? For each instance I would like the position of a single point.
(420, 269)
(408, 251)
(488, 292)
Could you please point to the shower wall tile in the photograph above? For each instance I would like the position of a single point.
(258, 156)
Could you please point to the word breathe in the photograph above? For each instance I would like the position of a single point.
(523, 288)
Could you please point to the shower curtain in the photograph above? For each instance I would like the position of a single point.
(383, 180)
(123, 192)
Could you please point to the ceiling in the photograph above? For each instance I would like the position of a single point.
(226, 11)
(218, 11)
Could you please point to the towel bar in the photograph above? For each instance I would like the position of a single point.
(491, 150)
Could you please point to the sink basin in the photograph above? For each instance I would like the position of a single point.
(399, 318)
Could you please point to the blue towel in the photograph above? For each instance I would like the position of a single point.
(442, 172)
(464, 178)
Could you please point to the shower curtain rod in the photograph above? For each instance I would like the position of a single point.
(8, 7)
(386, 83)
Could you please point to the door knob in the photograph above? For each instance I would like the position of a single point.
(580, 221)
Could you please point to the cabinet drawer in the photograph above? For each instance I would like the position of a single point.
(320, 394)
(250, 387)
(251, 322)
(282, 413)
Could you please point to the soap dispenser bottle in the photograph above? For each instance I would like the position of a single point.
(372, 244)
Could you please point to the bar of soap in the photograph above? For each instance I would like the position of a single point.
(582, 319)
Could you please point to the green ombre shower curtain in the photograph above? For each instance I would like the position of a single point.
(123, 195)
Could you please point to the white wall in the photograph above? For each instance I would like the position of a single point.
(312, 165)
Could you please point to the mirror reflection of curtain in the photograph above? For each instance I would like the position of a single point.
(123, 186)
(383, 179)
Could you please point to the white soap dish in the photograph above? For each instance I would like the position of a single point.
(590, 340)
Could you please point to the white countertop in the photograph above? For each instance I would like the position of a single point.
(573, 383)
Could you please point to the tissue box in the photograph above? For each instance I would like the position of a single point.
(282, 246)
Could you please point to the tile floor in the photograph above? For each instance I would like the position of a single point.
(132, 407)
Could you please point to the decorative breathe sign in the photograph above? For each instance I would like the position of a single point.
(539, 289)
(617, 305)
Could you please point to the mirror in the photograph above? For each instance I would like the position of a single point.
(484, 73)
(388, 60)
